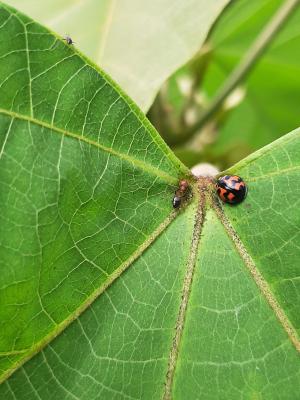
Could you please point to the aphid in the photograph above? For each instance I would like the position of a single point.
(68, 39)
(180, 193)
(231, 189)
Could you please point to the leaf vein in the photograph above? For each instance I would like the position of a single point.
(136, 162)
(258, 278)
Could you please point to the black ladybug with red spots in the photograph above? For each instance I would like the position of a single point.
(231, 189)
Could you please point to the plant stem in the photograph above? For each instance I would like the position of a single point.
(244, 67)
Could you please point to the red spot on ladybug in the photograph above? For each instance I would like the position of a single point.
(231, 189)
(230, 197)
(180, 193)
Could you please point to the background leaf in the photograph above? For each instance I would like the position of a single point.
(269, 107)
(125, 36)
(262, 109)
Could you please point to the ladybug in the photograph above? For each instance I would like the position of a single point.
(231, 189)
(68, 39)
(180, 193)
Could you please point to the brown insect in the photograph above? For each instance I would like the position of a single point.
(180, 193)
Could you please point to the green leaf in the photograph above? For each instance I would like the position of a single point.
(200, 302)
(233, 346)
(125, 37)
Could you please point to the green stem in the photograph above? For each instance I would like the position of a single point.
(244, 67)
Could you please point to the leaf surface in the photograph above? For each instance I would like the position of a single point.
(199, 303)
(232, 346)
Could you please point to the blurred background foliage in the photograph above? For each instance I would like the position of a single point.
(169, 47)
(261, 109)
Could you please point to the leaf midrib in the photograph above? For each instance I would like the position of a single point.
(199, 219)
(256, 275)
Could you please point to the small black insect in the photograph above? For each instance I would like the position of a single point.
(176, 201)
(180, 193)
(68, 39)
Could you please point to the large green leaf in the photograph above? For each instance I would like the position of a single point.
(196, 303)
(129, 38)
